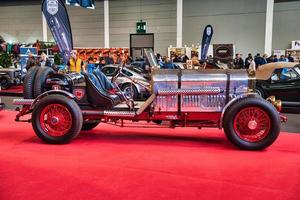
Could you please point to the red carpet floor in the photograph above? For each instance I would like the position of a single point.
(129, 163)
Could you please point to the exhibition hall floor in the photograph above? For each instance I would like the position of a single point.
(130, 163)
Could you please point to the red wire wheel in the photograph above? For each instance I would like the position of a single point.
(252, 124)
(56, 120)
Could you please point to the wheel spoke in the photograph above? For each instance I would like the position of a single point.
(252, 124)
(56, 120)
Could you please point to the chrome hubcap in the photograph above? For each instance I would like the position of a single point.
(252, 125)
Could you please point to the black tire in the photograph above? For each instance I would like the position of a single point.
(5, 83)
(260, 92)
(65, 108)
(89, 125)
(40, 80)
(29, 82)
(270, 119)
(128, 87)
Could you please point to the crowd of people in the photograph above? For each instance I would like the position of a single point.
(77, 64)
(240, 63)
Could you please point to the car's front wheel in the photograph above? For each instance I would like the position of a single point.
(260, 92)
(252, 123)
(56, 119)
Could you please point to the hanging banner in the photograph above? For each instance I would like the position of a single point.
(83, 3)
(58, 21)
(207, 35)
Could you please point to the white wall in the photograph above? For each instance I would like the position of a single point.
(159, 15)
(87, 26)
(286, 24)
(21, 23)
(241, 22)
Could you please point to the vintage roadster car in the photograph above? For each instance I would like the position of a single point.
(61, 105)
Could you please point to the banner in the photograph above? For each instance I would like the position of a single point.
(58, 21)
(83, 3)
(207, 35)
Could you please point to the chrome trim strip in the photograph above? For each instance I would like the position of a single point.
(200, 91)
(23, 102)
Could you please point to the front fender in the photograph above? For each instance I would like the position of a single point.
(232, 101)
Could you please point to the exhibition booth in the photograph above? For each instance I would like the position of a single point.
(130, 123)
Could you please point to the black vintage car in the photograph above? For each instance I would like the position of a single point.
(284, 84)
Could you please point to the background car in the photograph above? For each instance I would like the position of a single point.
(9, 77)
(284, 84)
(130, 88)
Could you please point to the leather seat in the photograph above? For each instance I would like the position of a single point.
(97, 95)
(107, 85)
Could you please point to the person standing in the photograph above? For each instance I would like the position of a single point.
(290, 58)
(75, 64)
(44, 61)
(248, 60)
(30, 62)
(238, 62)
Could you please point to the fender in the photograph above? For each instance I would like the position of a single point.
(50, 92)
(232, 101)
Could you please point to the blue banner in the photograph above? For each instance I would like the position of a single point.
(83, 3)
(207, 35)
(58, 21)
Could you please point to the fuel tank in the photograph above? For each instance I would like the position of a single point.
(230, 83)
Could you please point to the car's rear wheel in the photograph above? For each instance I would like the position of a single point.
(5, 83)
(89, 125)
(252, 124)
(56, 119)
(130, 91)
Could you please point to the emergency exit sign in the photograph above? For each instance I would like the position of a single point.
(141, 27)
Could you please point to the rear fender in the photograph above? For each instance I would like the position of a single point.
(51, 92)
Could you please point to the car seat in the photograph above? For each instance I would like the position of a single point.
(97, 95)
(107, 85)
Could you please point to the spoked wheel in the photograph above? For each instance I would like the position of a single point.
(56, 119)
(252, 123)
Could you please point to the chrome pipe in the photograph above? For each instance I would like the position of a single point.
(109, 113)
(200, 91)
(23, 102)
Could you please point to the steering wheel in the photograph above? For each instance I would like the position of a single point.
(117, 72)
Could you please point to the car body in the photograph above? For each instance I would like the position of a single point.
(284, 84)
(130, 88)
(9, 77)
(201, 98)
